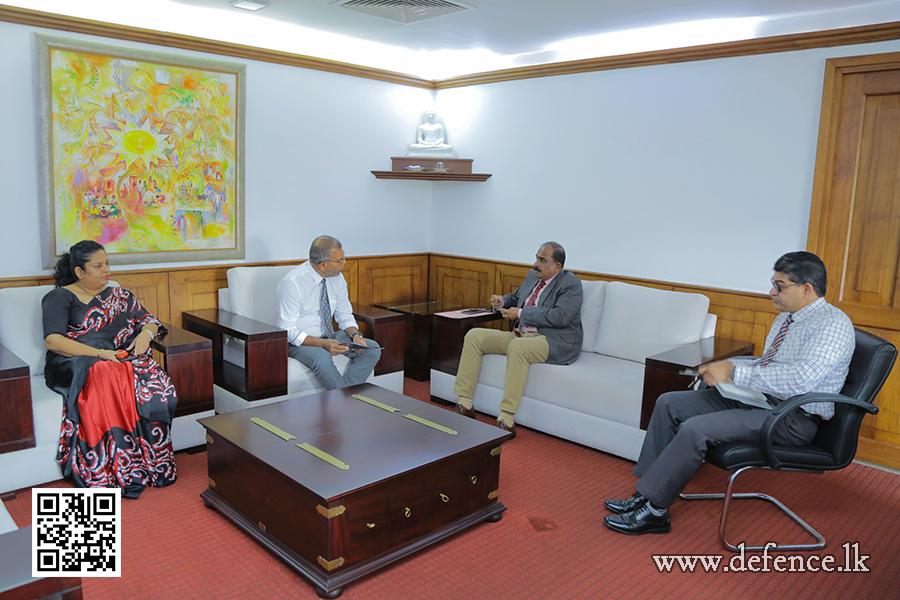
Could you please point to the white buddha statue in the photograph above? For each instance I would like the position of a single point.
(430, 139)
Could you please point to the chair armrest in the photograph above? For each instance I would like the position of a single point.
(388, 329)
(790, 405)
(16, 417)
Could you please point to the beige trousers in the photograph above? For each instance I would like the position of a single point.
(520, 353)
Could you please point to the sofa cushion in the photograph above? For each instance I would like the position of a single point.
(252, 291)
(639, 321)
(597, 385)
(21, 324)
(591, 309)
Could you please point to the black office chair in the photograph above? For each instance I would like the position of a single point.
(833, 447)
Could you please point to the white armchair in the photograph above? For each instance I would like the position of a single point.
(252, 296)
(31, 413)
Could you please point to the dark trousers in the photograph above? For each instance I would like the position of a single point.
(685, 424)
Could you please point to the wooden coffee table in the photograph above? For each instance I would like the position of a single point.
(369, 487)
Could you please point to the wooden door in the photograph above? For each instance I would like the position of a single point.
(855, 216)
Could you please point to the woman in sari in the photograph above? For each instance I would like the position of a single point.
(117, 413)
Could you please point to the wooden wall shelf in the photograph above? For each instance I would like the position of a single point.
(427, 176)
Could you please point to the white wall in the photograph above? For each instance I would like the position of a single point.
(696, 172)
(312, 140)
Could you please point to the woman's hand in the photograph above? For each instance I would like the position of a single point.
(139, 344)
(107, 355)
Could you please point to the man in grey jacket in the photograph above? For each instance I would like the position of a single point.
(545, 313)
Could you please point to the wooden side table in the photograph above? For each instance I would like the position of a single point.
(448, 336)
(265, 352)
(188, 359)
(16, 419)
(662, 371)
(418, 317)
(386, 328)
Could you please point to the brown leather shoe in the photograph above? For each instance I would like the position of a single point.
(462, 410)
(502, 425)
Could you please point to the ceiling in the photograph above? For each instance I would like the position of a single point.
(494, 34)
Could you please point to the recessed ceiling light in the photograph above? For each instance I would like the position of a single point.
(249, 4)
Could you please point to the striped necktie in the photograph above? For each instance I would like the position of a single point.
(532, 298)
(776, 343)
(325, 313)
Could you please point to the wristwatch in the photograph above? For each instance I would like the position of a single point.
(356, 334)
(152, 335)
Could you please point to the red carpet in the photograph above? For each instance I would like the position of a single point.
(551, 542)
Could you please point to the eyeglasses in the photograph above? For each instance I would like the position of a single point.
(342, 261)
(780, 286)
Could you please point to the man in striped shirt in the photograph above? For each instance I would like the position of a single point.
(808, 349)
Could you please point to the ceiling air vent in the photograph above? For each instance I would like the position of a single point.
(404, 11)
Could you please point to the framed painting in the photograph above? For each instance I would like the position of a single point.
(140, 151)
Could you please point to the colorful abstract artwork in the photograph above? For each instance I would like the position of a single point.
(143, 153)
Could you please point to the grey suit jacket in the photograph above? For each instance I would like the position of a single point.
(557, 315)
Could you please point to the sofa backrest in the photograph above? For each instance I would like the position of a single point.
(591, 310)
(252, 291)
(639, 321)
(22, 324)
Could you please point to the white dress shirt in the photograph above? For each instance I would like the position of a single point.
(814, 357)
(298, 303)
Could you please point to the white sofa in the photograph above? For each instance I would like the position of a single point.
(597, 400)
(21, 332)
(252, 293)
(6, 521)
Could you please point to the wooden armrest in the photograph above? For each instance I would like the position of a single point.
(694, 354)
(662, 372)
(188, 359)
(264, 374)
(388, 329)
(177, 341)
(16, 418)
(372, 315)
(11, 366)
(223, 321)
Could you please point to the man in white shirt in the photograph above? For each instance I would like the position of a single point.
(808, 349)
(310, 297)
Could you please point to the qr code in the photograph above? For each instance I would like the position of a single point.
(75, 532)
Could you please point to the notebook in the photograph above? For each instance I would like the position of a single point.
(744, 395)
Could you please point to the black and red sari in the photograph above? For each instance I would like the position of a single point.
(117, 416)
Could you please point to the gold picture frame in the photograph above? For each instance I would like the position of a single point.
(141, 151)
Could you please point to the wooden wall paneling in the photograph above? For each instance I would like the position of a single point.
(462, 281)
(508, 278)
(151, 289)
(855, 212)
(393, 279)
(741, 315)
(854, 223)
(26, 281)
(195, 289)
(351, 274)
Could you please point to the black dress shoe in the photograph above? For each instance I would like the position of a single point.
(640, 521)
(626, 504)
(462, 410)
